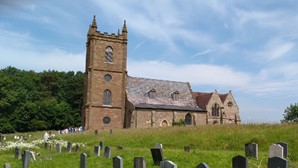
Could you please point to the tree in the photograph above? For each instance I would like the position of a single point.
(291, 114)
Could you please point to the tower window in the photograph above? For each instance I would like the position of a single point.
(108, 77)
(107, 97)
(230, 104)
(109, 55)
(215, 110)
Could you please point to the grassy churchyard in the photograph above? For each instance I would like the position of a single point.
(215, 145)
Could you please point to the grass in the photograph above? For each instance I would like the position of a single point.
(214, 144)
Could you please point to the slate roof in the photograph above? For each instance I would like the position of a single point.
(137, 94)
(223, 97)
(202, 98)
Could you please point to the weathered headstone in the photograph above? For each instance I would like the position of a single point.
(26, 158)
(202, 165)
(277, 162)
(157, 145)
(117, 162)
(46, 145)
(107, 152)
(69, 147)
(276, 150)
(101, 144)
(58, 148)
(83, 160)
(77, 148)
(186, 148)
(96, 132)
(157, 155)
(7, 165)
(240, 162)
(33, 158)
(139, 162)
(18, 153)
(285, 146)
(97, 150)
(251, 150)
(111, 131)
(167, 164)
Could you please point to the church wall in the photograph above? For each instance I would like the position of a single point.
(230, 112)
(215, 99)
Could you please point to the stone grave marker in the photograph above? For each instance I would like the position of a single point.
(96, 132)
(186, 148)
(285, 146)
(158, 145)
(202, 165)
(277, 162)
(120, 147)
(2, 137)
(58, 148)
(111, 131)
(251, 150)
(33, 158)
(18, 153)
(77, 148)
(83, 160)
(117, 162)
(97, 151)
(276, 150)
(69, 147)
(101, 144)
(167, 164)
(240, 162)
(157, 155)
(7, 165)
(139, 162)
(26, 158)
(107, 152)
(46, 145)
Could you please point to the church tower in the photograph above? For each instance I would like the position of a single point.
(105, 79)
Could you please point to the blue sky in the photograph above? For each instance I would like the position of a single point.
(249, 47)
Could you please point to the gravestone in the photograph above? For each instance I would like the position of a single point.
(58, 148)
(96, 132)
(251, 150)
(167, 164)
(285, 146)
(2, 137)
(18, 153)
(26, 158)
(77, 148)
(186, 148)
(120, 147)
(83, 160)
(277, 162)
(7, 165)
(107, 152)
(32, 156)
(240, 162)
(46, 145)
(157, 155)
(158, 145)
(97, 150)
(101, 144)
(276, 150)
(139, 162)
(117, 162)
(111, 131)
(69, 147)
(202, 165)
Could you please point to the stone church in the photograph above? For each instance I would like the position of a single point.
(112, 99)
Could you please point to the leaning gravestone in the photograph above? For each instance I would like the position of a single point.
(83, 160)
(97, 151)
(202, 165)
(77, 148)
(167, 164)
(58, 148)
(117, 162)
(277, 162)
(101, 144)
(285, 147)
(251, 150)
(7, 165)
(139, 162)
(69, 147)
(239, 162)
(18, 153)
(276, 151)
(157, 155)
(26, 158)
(107, 152)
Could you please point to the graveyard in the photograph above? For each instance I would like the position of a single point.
(183, 147)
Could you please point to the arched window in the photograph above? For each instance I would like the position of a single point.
(215, 110)
(188, 119)
(109, 55)
(164, 123)
(230, 104)
(107, 97)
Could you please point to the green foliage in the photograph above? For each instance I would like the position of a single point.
(291, 114)
(31, 101)
(181, 122)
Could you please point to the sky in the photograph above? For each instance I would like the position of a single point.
(248, 47)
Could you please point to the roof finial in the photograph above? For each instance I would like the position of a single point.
(124, 27)
(94, 23)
